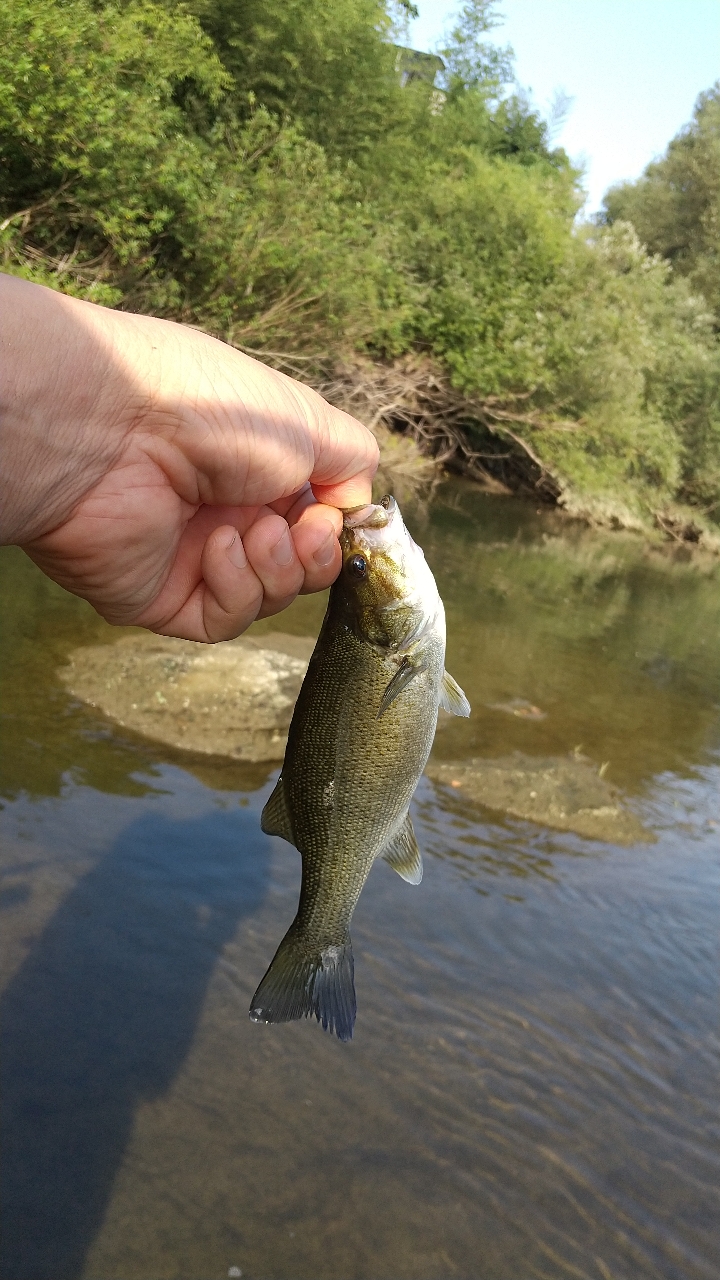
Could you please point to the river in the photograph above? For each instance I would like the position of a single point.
(532, 1090)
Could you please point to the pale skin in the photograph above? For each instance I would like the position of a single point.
(167, 478)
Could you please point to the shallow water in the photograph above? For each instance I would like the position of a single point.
(532, 1087)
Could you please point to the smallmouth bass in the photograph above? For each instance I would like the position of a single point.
(358, 742)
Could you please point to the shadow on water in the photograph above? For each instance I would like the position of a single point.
(101, 1017)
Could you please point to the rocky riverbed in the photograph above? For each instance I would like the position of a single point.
(236, 700)
(565, 792)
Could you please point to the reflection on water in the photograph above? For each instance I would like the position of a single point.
(532, 1090)
(619, 648)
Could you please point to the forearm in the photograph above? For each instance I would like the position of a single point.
(76, 380)
(165, 477)
(65, 406)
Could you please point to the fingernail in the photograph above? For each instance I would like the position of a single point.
(236, 552)
(325, 553)
(283, 552)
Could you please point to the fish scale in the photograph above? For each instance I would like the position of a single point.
(359, 739)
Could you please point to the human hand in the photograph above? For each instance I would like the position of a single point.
(170, 480)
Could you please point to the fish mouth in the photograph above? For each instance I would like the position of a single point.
(376, 527)
(372, 515)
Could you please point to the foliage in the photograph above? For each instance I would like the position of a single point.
(675, 206)
(324, 64)
(128, 178)
(470, 61)
(635, 372)
(256, 168)
(95, 154)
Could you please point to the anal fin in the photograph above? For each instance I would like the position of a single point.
(403, 855)
(275, 818)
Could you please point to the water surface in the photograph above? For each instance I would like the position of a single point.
(532, 1088)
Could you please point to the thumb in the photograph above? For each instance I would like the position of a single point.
(346, 459)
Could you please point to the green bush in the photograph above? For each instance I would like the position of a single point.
(675, 206)
(257, 169)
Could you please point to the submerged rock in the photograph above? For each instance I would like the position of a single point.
(233, 699)
(566, 792)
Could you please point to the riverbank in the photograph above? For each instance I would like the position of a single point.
(235, 701)
(425, 428)
(425, 267)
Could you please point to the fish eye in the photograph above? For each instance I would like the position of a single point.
(357, 566)
(388, 502)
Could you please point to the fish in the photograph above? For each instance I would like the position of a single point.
(358, 742)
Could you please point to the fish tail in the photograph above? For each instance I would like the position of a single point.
(301, 982)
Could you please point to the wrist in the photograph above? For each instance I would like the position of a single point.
(60, 392)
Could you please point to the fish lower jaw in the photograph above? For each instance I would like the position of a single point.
(371, 516)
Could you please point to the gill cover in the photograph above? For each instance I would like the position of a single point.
(386, 588)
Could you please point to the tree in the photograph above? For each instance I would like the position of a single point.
(675, 205)
(326, 64)
(255, 167)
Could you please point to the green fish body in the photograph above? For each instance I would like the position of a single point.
(360, 736)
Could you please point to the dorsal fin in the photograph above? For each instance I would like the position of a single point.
(452, 698)
(403, 855)
(275, 818)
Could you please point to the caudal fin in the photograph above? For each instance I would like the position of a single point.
(300, 983)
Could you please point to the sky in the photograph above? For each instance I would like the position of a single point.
(633, 69)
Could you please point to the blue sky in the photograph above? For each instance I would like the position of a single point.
(632, 67)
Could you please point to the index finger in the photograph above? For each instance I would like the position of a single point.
(346, 455)
(346, 494)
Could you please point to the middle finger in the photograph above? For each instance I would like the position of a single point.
(271, 552)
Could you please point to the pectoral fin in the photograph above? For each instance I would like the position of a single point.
(275, 819)
(406, 672)
(403, 854)
(452, 698)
